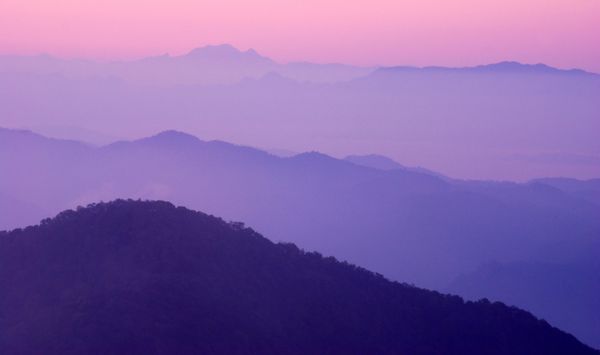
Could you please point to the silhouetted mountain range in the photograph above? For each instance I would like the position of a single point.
(131, 277)
(410, 226)
(505, 121)
(501, 67)
(213, 64)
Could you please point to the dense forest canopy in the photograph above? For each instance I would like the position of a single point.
(148, 277)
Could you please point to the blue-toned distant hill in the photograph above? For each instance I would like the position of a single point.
(503, 121)
(506, 67)
(213, 64)
(130, 277)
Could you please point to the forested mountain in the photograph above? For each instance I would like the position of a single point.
(131, 277)
(409, 226)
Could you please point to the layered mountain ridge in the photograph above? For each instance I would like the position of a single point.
(410, 226)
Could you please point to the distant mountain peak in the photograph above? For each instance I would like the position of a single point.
(10, 133)
(173, 137)
(312, 155)
(224, 52)
(500, 67)
(513, 66)
(214, 49)
(318, 159)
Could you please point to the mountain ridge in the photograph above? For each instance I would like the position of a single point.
(498, 67)
(124, 272)
(406, 225)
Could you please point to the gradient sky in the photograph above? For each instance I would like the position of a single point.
(562, 33)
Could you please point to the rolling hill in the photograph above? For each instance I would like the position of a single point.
(146, 277)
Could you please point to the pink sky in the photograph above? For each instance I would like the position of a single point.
(562, 33)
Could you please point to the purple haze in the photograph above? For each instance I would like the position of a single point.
(504, 121)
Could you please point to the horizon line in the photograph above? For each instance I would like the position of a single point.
(252, 50)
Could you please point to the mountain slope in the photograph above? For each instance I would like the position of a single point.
(382, 162)
(146, 277)
(406, 225)
(586, 189)
(561, 294)
(375, 161)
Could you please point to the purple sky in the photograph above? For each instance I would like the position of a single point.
(562, 33)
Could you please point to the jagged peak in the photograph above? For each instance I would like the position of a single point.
(224, 51)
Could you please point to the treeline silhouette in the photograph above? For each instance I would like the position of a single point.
(135, 277)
